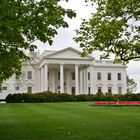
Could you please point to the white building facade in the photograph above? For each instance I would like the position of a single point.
(64, 71)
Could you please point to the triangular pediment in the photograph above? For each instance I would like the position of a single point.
(68, 53)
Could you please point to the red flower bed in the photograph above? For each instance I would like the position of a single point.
(119, 103)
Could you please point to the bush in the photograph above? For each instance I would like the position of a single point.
(64, 97)
(39, 97)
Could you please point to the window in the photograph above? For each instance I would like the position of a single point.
(4, 88)
(88, 75)
(48, 75)
(120, 90)
(119, 76)
(73, 75)
(99, 76)
(17, 88)
(73, 90)
(17, 77)
(29, 74)
(88, 90)
(109, 89)
(58, 75)
(99, 89)
(29, 89)
(109, 76)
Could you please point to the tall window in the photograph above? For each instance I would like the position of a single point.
(99, 76)
(17, 77)
(29, 89)
(29, 74)
(58, 75)
(4, 88)
(88, 75)
(17, 88)
(109, 89)
(109, 76)
(48, 75)
(73, 90)
(73, 75)
(99, 89)
(120, 90)
(119, 76)
(89, 90)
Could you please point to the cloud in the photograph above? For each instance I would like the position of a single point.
(134, 68)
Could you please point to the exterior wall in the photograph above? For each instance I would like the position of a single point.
(83, 84)
(114, 82)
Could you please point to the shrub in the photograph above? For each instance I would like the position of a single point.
(64, 97)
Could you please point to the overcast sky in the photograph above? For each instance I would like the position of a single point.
(65, 36)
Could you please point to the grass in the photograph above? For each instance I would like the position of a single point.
(68, 121)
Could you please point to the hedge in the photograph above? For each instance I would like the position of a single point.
(64, 97)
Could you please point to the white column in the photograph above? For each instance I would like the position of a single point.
(38, 80)
(46, 77)
(67, 81)
(42, 79)
(91, 80)
(61, 78)
(53, 80)
(81, 82)
(85, 81)
(76, 79)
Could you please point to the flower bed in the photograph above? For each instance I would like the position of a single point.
(117, 103)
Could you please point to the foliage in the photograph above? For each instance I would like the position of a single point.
(113, 29)
(99, 96)
(64, 97)
(21, 23)
(131, 85)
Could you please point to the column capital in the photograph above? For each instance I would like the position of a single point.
(77, 64)
(46, 64)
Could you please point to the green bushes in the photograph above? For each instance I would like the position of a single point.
(64, 97)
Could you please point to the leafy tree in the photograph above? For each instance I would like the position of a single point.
(131, 85)
(21, 23)
(114, 28)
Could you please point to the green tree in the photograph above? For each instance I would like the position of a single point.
(131, 85)
(113, 28)
(21, 23)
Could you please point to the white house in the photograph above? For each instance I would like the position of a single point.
(64, 71)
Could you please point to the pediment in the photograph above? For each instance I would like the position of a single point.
(68, 53)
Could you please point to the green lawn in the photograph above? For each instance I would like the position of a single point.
(68, 121)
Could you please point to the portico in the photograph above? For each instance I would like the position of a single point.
(66, 78)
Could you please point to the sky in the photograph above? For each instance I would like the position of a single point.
(65, 36)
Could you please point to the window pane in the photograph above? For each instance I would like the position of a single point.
(109, 76)
(73, 75)
(99, 89)
(88, 90)
(119, 76)
(16, 77)
(58, 75)
(88, 75)
(17, 88)
(73, 90)
(99, 76)
(120, 90)
(29, 89)
(4, 88)
(29, 74)
(109, 89)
